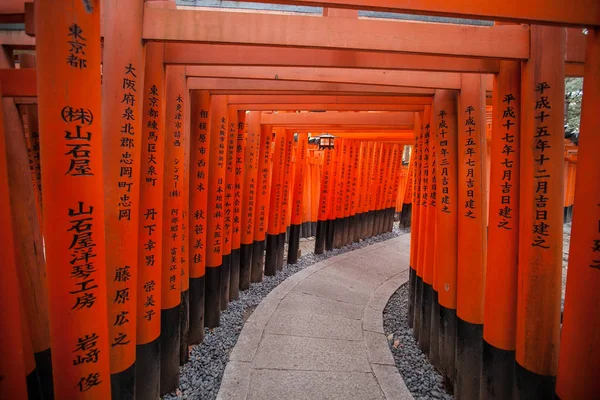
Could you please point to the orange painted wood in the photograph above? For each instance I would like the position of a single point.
(402, 120)
(229, 181)
(122, 82)
(447, 208)
(328, 107)
(238, 189)
(424, 191)
(216, 180)
(264, 180)
(415, 224)
(219, 54)
(20, 82)
(500, 317)
(199, 164)
(553, 12)
(185, 208)
(326, 185)
(328, 99)
(70, 113)
(579, 356)
(151, 210)
(431, 80)
(472, 224)
(174, 188)
(429, 180)
(276, 194)
(541, 218)
(241, 86)
(299, 179)
(12, 362)
(288, 181)
(251, 177)
(507, 41)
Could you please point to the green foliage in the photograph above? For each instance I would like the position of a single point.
(573, 96)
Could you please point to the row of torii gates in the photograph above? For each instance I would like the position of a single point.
(160, 176)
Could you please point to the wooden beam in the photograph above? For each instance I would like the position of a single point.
(18, 82)
(503, 41)
(308, 93)
(240, 55)
(307, 99)
(553, 12)
(16, 38)
(431, 80)
(327, 107)
(399, 119)
(239, 85)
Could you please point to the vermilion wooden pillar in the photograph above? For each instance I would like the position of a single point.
(540, 213)
(275, 207)
(500, 317)
(173, 193)
(238, 189)
(298, 192)
(415, 224)
(12, 362)
(324, 202)
(579, 359)
(199, 160)
(472, 241)
(249, 199)
(150, 236)
(423, 223)
(429, 245)
(288, 181)
(69, 88)
(122, 82)
(215, 211)
(228, 207)
(184, 308)
(340, 181)
(262, 202)
(445, 122)
(335, 162)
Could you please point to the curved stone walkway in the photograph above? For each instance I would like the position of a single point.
(319, 334)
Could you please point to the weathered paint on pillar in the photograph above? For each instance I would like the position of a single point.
(276, 198)
(288, 181)
(68, 76)
(198, 192)
(472, 241)
(500, 317)
(150, 231)
(215, 211)
(236, 217)
(579, 360)
(540, 213)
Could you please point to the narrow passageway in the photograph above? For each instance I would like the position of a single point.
(319, 334)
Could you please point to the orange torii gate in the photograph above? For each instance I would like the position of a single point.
(541, 175)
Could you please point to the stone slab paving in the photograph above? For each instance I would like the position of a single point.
(319, 334)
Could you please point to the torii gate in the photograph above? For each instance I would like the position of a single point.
(513, 312)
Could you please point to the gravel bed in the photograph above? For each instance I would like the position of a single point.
(201, 377)
(421, 378)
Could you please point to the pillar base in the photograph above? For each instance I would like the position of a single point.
(529, 385)
(497, 373)
(447, 340)
(147, 371)
(293, 244)
(169, 349)
(34, 389)
(412, 280)
(469, 346)
(425, 324)
(245, 265)
(196, 331)
(418, 307)
(43, 363)
(258, 256)
(122, 384)
(434, 333)
(212, 297)
(184, 329)
(224, 281)
(234, 276)
(330, 235)
(271, 255)
(280, 250)
(321, 237)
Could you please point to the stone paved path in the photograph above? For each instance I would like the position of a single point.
(319, 334)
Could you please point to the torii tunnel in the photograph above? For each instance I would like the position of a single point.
(157, 157)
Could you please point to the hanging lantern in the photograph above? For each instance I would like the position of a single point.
(326, 141)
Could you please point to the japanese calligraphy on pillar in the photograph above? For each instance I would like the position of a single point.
(325, 185)
(175, 193)
(444, 162)
(542, 181)
(77, 47)
(264, 182)
(425, 166)
(469, 148)
(200, 183)
(508, 151)
(287, 173)
(240, 146)
(229, 181)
